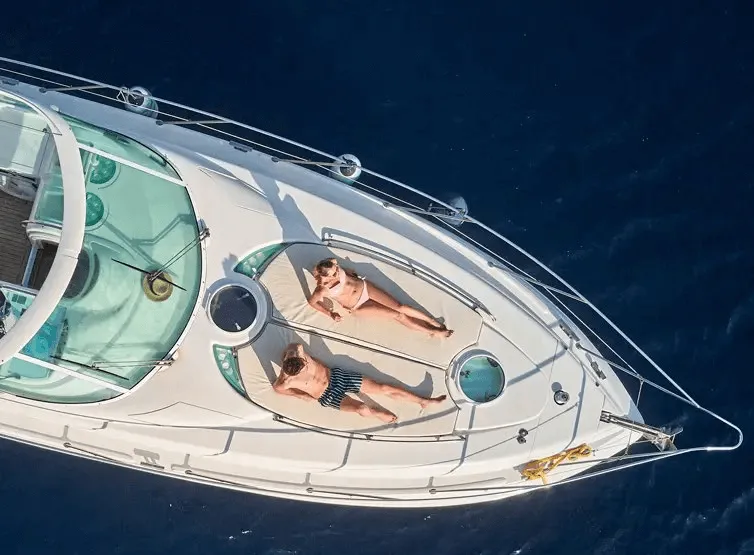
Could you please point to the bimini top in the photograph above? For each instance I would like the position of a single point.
(117, 211)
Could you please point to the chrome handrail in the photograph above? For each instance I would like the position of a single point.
(243, 134)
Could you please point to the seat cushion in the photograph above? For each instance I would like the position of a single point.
(259, 366)
(290, 282)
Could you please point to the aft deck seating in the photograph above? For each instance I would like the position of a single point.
(289, 280)
(14, 245)
(259, 365)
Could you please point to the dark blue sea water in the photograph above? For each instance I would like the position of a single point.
(612, 140)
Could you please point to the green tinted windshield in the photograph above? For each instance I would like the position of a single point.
(113, 324)
(120, 146)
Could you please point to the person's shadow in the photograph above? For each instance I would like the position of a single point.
(295, 226)
(229, 264)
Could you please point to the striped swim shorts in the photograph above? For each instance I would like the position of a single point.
(341, 382)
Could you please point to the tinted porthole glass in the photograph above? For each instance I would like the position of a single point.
(233, 309)
(481, 379)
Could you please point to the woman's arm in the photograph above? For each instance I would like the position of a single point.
(315, 301)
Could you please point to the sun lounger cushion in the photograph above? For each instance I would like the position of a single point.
(259, 365)
(289, 280)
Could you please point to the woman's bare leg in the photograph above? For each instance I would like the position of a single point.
(373, 308)
(387, 300)
(349, 404)
(371, 387)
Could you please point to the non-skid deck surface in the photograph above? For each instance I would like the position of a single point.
(259, 364)
(14, 245)
(289, 281)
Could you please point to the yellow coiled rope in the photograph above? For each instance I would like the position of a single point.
(539, 468)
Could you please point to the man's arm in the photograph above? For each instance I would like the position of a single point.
(283, 389)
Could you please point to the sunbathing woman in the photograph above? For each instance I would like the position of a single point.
(353, 294)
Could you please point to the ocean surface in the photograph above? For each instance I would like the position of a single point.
(611, 140)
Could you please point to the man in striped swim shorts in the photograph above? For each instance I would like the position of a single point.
(309, 379)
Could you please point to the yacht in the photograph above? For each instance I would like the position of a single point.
(157, 259)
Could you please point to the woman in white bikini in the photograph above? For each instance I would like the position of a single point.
(353, 294)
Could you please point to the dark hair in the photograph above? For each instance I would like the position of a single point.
(325, 264)
(293, 365)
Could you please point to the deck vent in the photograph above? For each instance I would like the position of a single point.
(561, 397)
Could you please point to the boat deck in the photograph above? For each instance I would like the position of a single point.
(380, 349)
(14, 245)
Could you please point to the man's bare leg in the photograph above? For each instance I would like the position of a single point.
(371, 387)
(349, 404)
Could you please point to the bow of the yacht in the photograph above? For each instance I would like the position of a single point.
(180, 269)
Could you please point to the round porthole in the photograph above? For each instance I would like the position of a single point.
(233, 308)
(95, 209)
(481, 378)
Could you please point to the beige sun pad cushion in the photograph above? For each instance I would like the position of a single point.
(259, 364)
(289, 280)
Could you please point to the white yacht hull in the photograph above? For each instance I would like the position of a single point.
(205, 410)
